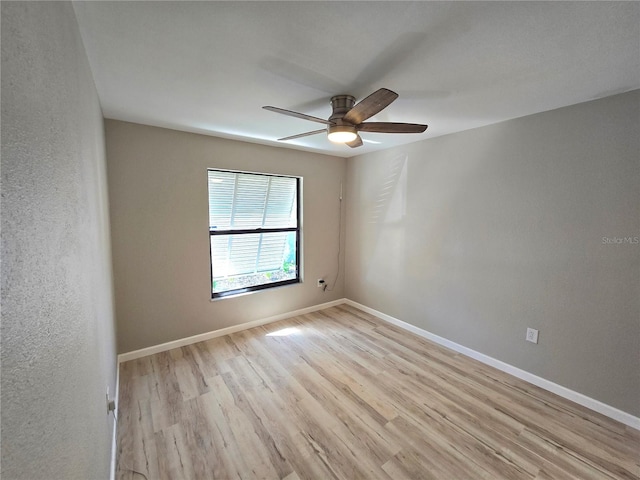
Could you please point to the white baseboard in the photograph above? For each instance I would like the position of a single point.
(579, 398)
(163, 347)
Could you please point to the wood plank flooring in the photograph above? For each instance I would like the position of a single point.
(340, 394)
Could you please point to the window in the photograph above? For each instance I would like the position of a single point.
(254, 231)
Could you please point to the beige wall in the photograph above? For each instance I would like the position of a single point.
(478, 235)
(58, 341)
(159, 219)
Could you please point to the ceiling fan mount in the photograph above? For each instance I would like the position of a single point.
(341, 104)
(348, 118)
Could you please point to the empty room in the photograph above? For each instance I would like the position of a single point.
(320, 240)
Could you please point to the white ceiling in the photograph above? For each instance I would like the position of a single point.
(208, 67)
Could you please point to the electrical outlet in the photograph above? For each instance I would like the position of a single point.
(532, 335)
(111, 404)
(320, 283)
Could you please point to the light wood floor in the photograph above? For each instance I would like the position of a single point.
(339, 394)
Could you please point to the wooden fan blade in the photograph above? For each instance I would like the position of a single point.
(371, 105)
(391, 127)
(315, 132)
(355, 143)
(291, 113)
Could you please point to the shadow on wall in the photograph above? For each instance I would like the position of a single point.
(416, 222)
(386, 224)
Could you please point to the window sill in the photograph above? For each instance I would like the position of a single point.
(250, 292)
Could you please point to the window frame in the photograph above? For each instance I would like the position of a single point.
(297, 229)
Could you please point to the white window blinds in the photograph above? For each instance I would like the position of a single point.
(240, 201)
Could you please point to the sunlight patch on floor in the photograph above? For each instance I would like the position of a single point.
(285, 332)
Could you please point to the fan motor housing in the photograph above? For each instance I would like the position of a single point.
(340, 105)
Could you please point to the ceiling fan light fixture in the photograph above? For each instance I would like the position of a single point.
(342, 133)
(348, 118)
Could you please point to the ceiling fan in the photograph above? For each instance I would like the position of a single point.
(347, 118)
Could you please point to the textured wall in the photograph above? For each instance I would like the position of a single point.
(58, 347)
(478, 235)
(160, 232)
